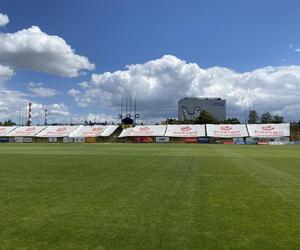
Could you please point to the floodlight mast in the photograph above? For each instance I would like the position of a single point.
(121, 107)
(130, 107)
(46, 117)
(29, 114)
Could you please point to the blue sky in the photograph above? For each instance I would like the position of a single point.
(215, 36)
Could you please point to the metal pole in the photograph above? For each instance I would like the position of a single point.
(130, 106)
(122, 106)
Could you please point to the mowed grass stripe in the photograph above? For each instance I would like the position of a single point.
(148, 197)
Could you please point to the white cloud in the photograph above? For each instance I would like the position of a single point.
(159, 84)
(37, 89)
(14, 104)
(297, 50)
(5, 74)
(98, 118)
(3, 19)
(33, 49)
(73, 92)
(58, 109)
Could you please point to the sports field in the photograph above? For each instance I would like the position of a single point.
(114, 196)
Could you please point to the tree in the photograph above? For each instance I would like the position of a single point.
(205, 118)
(253, 117)
(171, 121)
(266, 118)
(9, 123)
(232, 121)
(278, 119)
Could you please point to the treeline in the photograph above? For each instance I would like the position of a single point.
(7, 123)
(206, 118)
(264, 118)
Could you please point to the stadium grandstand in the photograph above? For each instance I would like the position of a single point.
(185, 133)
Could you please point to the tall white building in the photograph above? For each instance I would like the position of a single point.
(191, 107)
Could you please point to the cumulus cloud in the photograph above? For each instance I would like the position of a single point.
(58, 109)
(33, 49)
(159, 84)
(5, 74)
(97, 118)
(37, 89)
(3, 20)
(14, 104)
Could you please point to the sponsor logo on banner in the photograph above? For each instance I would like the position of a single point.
(268, 128)
(97, 129)
(95, 132)
(226, 128)
(227, 131)
(185, 129)
(61, 129)
(30, 129)
(144, 129)
(57, 132)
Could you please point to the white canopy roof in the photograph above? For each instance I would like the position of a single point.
(150, 130)
(56, 131)
(269, 130)
(185, 130)
(25, 131)
(87, 131)
(226, 130)
(5, 130)
(93, 131)
(109, 130)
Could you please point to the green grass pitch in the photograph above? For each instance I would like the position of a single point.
(126, 196)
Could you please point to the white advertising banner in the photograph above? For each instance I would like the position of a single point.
(25, 131)
(88, 131)
(269, 130)
(150, 130)
(57, 131)
(6, 130)
(93, 131)
(185, 130)
(226, 130)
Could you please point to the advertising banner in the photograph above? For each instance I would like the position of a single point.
(150, 130)
(226, 130)
(6, 130)
(87, 131)
(57, 131)
(24, 131)
(269, 130)
(191, 140)
(203, 140)
(163, 139)
(185, 130)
